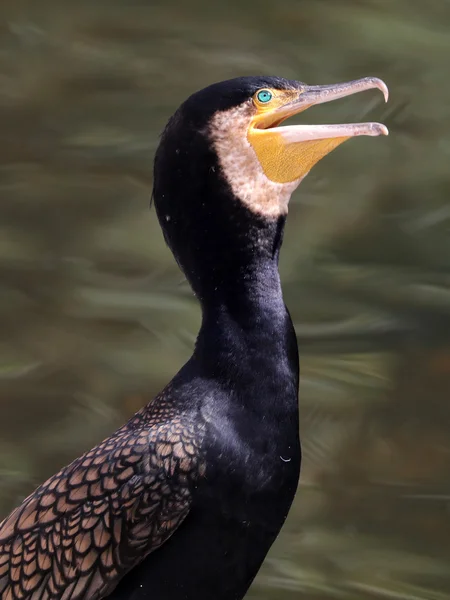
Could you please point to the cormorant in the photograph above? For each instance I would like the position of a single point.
(184, 501)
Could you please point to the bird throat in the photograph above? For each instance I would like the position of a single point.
(241, 167)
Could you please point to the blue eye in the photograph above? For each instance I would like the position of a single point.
(264, 96)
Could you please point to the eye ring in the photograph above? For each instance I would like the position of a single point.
(264, 96)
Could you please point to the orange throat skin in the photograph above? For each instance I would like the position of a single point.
(286, 163)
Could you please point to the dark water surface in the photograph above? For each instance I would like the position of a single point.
(94, 310)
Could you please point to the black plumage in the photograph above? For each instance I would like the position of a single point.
(185, 500)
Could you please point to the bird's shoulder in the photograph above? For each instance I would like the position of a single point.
(78, 533)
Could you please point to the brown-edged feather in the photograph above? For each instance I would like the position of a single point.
(77, 535)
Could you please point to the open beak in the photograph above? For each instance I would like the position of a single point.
(288, 153)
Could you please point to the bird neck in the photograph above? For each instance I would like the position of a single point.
(247, 341)
(250, 298)
(229, 254)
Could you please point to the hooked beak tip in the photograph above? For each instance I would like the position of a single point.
(379, 83)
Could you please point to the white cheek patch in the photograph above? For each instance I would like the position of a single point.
(241, 167)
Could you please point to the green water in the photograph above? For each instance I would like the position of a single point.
(94, 312)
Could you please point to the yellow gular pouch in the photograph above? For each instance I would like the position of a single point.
(283, 162)
(287, 154)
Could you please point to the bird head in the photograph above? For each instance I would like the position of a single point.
(228, 163)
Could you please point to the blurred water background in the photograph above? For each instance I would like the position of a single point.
(95, 315)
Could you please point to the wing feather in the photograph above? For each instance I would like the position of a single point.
(77, 535)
